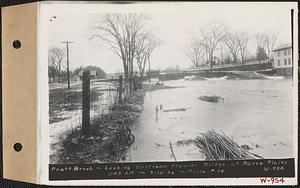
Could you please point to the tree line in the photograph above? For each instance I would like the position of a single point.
(216, 35)
(57, 70)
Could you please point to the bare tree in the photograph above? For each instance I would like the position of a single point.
(270, 40)
(242, 41)
(222, 56)
(195, 51)
(146, 43)
(231, 41)
(215, 34)
(266, 41)
(51, 65)
(260, 42)
(120, 33)
(55, 57)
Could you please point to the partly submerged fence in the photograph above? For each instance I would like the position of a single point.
(84, 102)
(99, 97)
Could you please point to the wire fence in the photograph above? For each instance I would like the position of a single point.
(103, 97)
(66, 111)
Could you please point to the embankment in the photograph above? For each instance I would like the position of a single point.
(110, 134)
(220, 72)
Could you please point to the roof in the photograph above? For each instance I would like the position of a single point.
(284, 46)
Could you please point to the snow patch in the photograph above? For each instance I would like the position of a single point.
(270, 77)
(221, 78)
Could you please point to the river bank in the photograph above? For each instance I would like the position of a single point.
(109, 137)
(226, 75)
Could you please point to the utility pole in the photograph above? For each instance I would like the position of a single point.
(68, 72)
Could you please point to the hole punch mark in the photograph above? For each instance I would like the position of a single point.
(17, 44)
(18, 147)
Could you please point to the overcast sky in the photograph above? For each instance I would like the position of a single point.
(171, 22)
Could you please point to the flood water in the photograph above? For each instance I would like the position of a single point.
(254, 112)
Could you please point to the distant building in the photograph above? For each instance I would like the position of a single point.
(93, 74)
(283, 60)
(216, 60)
(115, 75)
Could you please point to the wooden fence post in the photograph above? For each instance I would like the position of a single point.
(85, 102)
(120, 89)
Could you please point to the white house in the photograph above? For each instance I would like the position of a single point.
(283, 59)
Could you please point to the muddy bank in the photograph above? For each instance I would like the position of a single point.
(108, 139)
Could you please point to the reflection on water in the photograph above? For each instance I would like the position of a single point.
(255, 112)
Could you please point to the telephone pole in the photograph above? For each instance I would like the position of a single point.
(68, 72)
